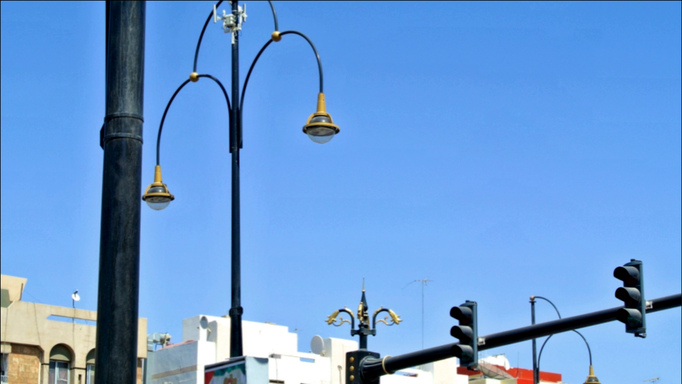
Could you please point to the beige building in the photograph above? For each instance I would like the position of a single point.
(46, 344)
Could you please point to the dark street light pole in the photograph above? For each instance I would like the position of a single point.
(121, 140)
(319, 127)
(236, 310)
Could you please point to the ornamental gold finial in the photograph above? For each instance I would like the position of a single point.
(365, 328)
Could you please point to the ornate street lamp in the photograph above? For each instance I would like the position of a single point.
(319, 127)
(364, 328)
(591, 378)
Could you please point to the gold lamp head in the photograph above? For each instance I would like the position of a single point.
(320, 126)
(157, 195)
(592, 379)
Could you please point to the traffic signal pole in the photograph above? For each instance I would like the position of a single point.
(371, 368)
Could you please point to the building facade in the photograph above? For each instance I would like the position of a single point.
(46, 344)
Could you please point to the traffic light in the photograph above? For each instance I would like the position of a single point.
(467, 333)
(632, 293)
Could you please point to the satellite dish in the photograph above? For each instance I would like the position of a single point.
(75, 296)
(203, 322)
(493, 371)
(317, 345)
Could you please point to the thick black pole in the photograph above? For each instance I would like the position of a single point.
(535, 354)
(372, 368)
(236, 309)
(119, 265)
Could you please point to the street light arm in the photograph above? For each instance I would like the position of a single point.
(541, 348)
(317, 55)
(334, 317)
(163, 118)
(550, 302)
(210, 16)
(201, 36)
(255, 60)
(395, 319)
(589, 351)
(274, 15)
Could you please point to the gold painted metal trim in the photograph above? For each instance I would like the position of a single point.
(321, 111)
(383, 365)
(157, 183)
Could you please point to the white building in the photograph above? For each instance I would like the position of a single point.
(206, 340)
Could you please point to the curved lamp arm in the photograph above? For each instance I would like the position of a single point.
(334, 317)
(210, 15)
(552, 304)
(395, 319)
(276, 37)
(193, 78)
(589, 351)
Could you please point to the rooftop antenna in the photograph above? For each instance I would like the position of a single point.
(423, 282)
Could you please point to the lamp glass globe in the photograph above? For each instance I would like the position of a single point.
(320, 134)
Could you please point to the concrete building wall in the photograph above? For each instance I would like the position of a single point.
(30, 331)
(177, 363)
(23, 364)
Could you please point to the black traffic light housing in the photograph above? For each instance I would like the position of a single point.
(467, 333)
(633, 314)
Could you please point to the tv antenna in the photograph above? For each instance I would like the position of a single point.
(424, 282)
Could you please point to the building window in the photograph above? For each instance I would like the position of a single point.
(60, 358)
(59, 372)
(90, 367)
(3, 368)
(90, 374)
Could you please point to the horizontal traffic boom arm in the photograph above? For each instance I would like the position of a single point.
(375, 367)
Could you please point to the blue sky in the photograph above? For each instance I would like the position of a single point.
(500, 150)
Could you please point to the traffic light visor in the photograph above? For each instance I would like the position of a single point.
(464, 334)
(630, 296)
(631, 317)
(628, 274)
(463, 314)
(464, 352)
